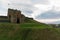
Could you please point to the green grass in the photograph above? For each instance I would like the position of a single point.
(28, 31)
(35, 25)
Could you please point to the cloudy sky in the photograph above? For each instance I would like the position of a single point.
(46, 11)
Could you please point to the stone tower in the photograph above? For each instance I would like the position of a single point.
(15, 16)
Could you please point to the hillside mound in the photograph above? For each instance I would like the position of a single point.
(25, 32)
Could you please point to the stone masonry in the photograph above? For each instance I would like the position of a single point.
(15, 16)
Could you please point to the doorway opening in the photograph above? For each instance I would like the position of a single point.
(18, 20)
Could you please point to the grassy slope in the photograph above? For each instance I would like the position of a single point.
(28, 31)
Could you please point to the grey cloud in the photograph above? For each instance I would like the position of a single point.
(25, 8)
(27, 11)
(49, 15)
(21, 1)
(40, 1)
(56, 22)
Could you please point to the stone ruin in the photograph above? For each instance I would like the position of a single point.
(15, 16)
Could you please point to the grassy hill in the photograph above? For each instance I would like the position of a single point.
(28, 31)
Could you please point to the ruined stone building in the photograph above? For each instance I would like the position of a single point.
(15, 16)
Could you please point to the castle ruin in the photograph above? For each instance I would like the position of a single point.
(15, 16)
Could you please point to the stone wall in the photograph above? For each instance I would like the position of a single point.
(15, 16)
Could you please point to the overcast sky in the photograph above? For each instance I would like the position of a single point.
(41, 10)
